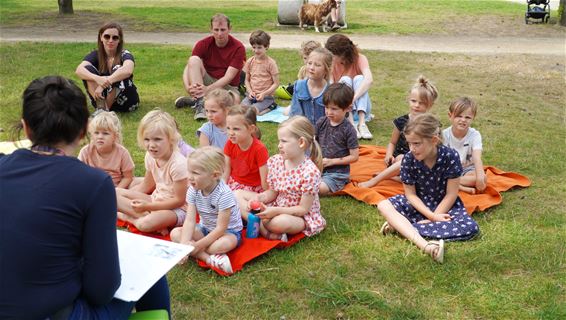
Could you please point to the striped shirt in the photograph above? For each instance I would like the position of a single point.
(221, 198)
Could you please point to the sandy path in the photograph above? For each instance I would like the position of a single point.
(447, 44)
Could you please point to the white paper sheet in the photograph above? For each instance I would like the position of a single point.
(143, 261)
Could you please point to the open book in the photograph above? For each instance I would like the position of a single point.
(143, 261)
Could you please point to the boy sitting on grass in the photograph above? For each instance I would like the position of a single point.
(262, 75)
(337, 138)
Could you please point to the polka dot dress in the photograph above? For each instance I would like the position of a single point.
(430, 185)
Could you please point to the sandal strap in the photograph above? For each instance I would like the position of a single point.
(430, 243)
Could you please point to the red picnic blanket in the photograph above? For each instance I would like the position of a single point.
(246, 252)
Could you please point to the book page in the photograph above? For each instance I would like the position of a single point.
(143, 261)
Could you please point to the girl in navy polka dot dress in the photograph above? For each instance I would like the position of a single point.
(430, 207)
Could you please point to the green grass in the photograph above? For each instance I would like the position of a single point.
(514, 270)
(363, 16)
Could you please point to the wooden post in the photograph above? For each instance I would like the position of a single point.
(65, 6)
(562, 13)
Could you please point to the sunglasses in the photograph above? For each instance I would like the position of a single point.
(107, 37)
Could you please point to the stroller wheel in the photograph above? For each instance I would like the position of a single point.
(546, 18)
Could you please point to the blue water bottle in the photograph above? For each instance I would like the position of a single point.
(253, 220)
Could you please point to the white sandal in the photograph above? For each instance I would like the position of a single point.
(437, 255)
(386, 229)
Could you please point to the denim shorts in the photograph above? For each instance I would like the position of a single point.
(335, 181)
(238, 234)
(467, 169)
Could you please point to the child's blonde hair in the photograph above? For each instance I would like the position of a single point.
(426, 90)
(425, 125)
(326, 60)
(108, 121)
(308, 46)
(301, 127)
(249, 115)
(462, 104)
(209, 158)
(162, 121)
(223, 97)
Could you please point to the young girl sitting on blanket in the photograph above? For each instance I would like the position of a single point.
(430, 207)
(292, 199)
(421, 98)
(467, 141)
(220, 227)
(105, 150)
(246, 167)
(158, 202)
(216, 105)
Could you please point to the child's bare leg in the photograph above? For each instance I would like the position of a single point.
(176, 234)
(398, 222)
(243, 197)
(389, 172)
(468, 182)
(124, 217)
(323, 189)
(469, 179)
(158, 220)
(125, 197)
(470, 190)
(273, 229)
(222, 245)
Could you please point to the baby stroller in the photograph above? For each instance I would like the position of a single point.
(537, 9)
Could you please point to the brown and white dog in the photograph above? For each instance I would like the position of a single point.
(316, 14)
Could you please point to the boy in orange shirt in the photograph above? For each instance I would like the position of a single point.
(262, 75)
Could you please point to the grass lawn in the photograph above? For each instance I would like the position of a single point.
(514, 270)
(485, 17)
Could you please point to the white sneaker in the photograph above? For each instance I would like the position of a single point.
(358, 135)
(364, 132)
(222, 262)
(284, 238)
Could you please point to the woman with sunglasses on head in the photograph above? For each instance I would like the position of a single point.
(58, 248)
(108, 72)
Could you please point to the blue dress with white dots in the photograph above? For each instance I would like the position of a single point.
(430, 185)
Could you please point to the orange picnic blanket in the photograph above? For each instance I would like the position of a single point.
(246, 252)
(372, 160)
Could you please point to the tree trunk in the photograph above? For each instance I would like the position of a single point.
(562, 13)
(65, 6)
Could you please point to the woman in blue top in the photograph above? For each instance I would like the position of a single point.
(108, 72)
(307, 94)
(58, 249)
